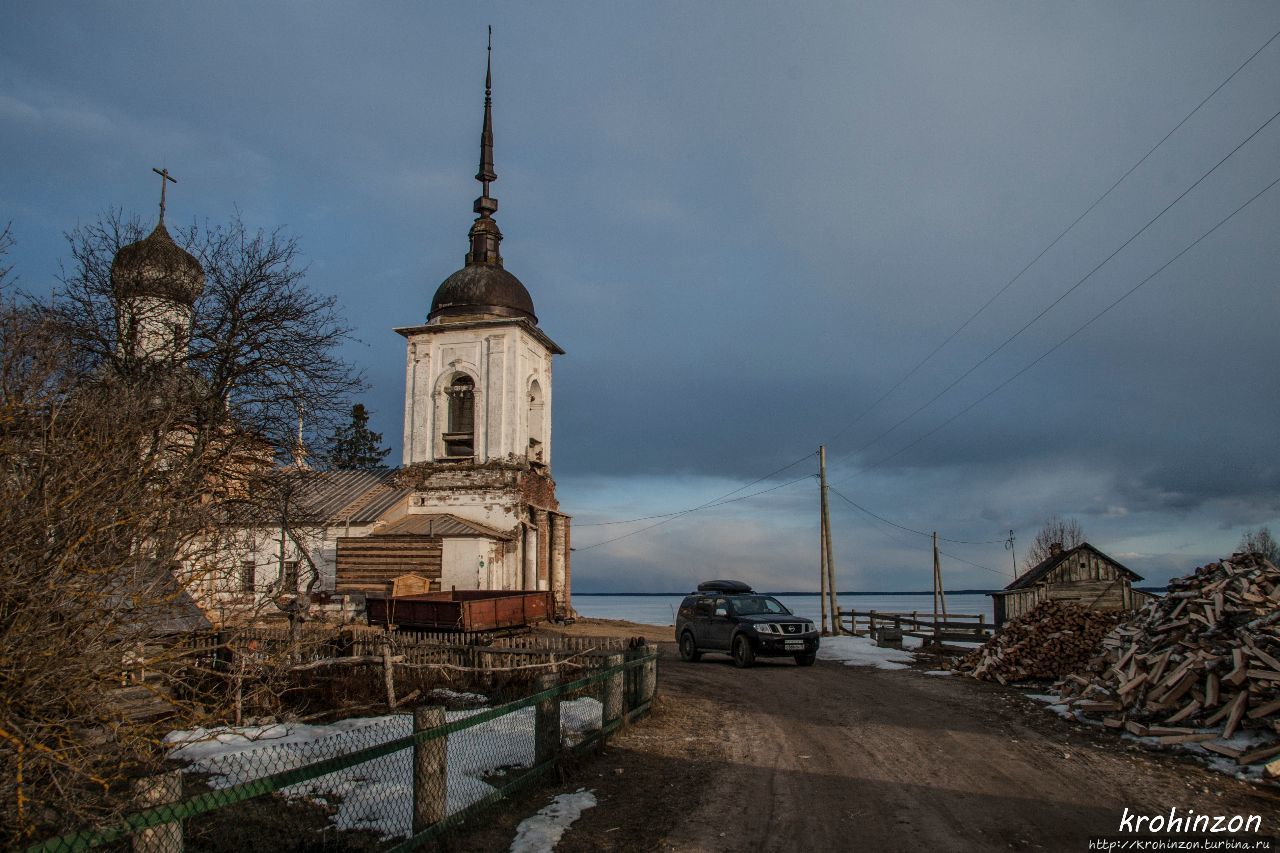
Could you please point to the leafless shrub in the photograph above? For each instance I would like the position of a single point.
(122, 481)
(1054, 531)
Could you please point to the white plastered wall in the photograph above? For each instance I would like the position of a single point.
(503, 361)
(155, 328)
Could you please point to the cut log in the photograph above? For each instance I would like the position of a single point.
(1237, 707)
(1260, 754)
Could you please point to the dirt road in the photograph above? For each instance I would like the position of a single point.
(831, 757)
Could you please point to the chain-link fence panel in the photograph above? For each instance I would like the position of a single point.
(376, 783)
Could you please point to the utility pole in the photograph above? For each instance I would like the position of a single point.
(939, 597)
(822, 565)
(1008, 546)
(939, 594)
(828, 558)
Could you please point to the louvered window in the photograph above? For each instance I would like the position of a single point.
(459, 436)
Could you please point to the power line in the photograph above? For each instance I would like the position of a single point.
(1068, 291)
(975, 565)
(712, 502)
(1054, 242)
(710, 505)
(1081, 327)
(921, 533)
(904, 527)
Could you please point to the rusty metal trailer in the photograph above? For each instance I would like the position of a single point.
(460, 610)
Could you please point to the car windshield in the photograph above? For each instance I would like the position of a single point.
(751, 605)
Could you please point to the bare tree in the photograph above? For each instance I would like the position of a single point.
(120, 480)
(262, 343)
(1054, 531)
(1260, 542)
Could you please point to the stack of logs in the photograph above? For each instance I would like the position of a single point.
(1197, 665)
(1049, 641)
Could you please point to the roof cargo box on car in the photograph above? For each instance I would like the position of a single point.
(728, 587)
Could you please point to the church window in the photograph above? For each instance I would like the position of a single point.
(459, 434)
(536, 421)
(289, 577)
(248, 576)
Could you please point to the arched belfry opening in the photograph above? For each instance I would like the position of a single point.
(460, 417)
(537, 425)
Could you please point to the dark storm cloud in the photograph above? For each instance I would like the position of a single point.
(745, 222)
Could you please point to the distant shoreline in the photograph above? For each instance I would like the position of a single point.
(1159, 590)
(788, 592)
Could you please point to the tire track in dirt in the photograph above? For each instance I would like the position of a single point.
(840, 758)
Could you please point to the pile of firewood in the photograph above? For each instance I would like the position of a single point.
(1048, 641)
(1194, 666)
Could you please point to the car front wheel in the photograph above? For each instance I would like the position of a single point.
(743, 654)
(806, 658)
(689, 649)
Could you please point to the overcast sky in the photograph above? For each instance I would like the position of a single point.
(745, 222)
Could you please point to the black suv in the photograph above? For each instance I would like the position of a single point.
(726, 616)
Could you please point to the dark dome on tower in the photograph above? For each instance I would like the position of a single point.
(158, 267)
(482, 289)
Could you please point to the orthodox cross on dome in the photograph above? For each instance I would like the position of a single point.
(165, 180)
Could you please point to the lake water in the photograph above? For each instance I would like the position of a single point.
(660, 609)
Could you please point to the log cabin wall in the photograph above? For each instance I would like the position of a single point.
(370, 563)
(1084, 577)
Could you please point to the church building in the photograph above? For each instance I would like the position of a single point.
(474, 505)
(481, 509)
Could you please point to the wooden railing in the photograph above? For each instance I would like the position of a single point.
(956, 627)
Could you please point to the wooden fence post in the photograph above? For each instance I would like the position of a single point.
(546, 727)
(613, 688)
(648, 679)
(159, 790)
(430, 769)
(388, 676)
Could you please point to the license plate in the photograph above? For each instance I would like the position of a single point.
(798, 645)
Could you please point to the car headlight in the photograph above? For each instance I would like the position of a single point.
(808, 627)
(767, 628)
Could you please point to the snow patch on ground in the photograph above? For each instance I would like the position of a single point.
(375, 794)
(447, 695)
(542, 832)
(863, 651)
(940, 672)
(1244, 741)
(1055, 704)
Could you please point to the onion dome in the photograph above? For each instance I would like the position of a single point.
(483, 288)
(158, 267)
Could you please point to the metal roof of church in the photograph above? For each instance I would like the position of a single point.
(156, 266)
(439, 524)
(350, 497)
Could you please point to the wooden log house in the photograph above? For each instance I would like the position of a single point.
(1082, 575)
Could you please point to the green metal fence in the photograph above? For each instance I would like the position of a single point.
(386, 783)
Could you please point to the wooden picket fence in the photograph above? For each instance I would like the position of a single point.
(216, 650)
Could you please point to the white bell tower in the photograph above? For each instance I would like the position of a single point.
(477, 418)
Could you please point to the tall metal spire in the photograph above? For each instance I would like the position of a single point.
(486, 173)
(485, 234)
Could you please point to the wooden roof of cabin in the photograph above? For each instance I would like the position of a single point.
(1042, 569)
